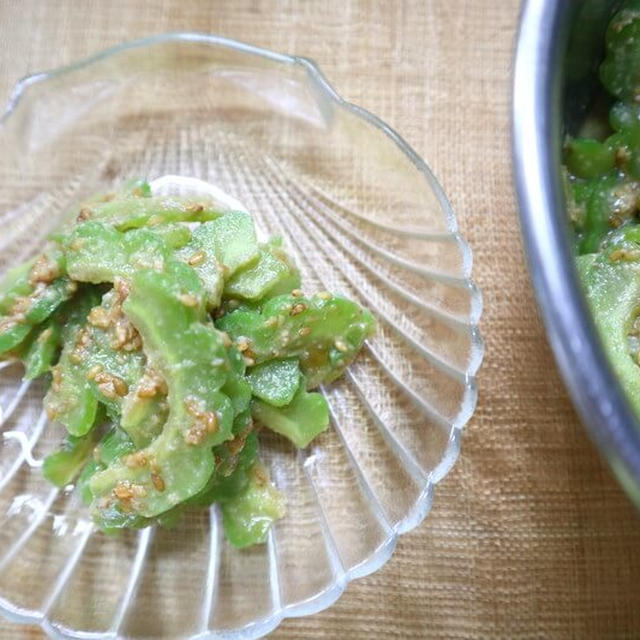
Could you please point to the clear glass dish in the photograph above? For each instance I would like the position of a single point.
(362, 214)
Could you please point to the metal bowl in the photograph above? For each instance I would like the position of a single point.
(550, 95)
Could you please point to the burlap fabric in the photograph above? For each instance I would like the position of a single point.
(529, 536)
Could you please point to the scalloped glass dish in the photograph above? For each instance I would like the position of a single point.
(362, 215)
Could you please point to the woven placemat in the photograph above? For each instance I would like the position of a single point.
(529, 536)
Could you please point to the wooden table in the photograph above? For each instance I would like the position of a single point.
(529, 536)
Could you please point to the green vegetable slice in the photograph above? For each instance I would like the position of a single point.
(133, 213)
(247, 516)
(620, 70)
(628, 12)
(601, 204)
(272, 274)
(82, 484)
(587, 158)
(62, 466)
(145, 408)
(70, 399)
(31, 277)
(97, 252)
(202, 259)
(175, 236)
(103, 359)
(41, 350)
(306, 416)
(14, 284)
(236, 387)
(112, 357)
(325, 332)
(275, 381)
(32, 309)
(191, 356)
(612, 284)
(231, 474)
(113, 445)
(232, 240)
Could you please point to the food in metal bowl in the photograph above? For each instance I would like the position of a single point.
(602, 187)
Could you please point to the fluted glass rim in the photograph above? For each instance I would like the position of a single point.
(423, 503)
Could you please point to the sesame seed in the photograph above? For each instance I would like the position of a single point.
(94, 371)
(123, 490)
(211, 421)
(260, 476)
(84, 214)
(242, 344)
(340, 346)
(99, 317)
(137, 459)
(188, 299)
(157, 482)
(197, 258)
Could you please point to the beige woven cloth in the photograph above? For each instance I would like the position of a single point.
(529, 537)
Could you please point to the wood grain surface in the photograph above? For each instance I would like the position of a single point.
(529, 536)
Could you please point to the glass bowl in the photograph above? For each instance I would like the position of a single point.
(362, 214)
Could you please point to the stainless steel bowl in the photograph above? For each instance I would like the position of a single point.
(550, 94)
